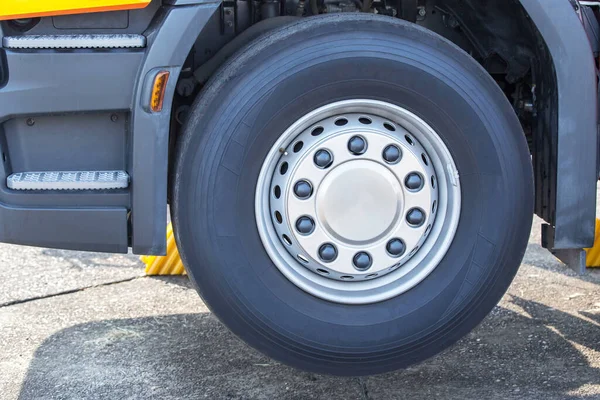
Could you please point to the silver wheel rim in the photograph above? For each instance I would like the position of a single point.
(358, 201)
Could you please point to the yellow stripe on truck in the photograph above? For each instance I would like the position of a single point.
(15, 9)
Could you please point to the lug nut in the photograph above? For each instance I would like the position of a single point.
(305, 225)
(413, 181)
(357, 145)
(323, 158)
(327, 252)
(391, 154)
(303, 189)
(415, 217)
(362, 261)
(395, 247)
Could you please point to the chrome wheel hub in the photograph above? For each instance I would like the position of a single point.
(358, 202)
(350, 196)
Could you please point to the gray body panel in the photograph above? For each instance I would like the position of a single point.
(92, 229)
(51, 82)
(42, 87)
(33, 148)
(577, 145)
(81, 91)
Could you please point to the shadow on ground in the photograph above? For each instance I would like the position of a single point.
(511, 355)
(81, 259)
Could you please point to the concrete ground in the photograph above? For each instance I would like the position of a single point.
(90, 326)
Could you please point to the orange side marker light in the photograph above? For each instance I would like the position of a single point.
(158, 91)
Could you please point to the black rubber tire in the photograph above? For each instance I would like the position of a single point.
(260, 93)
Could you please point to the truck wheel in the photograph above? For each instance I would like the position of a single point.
(352, 194)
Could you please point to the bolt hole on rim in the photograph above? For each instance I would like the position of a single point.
(283, 169)
(342, 196)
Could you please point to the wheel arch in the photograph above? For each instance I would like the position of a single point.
(545, 43)
(566, 162)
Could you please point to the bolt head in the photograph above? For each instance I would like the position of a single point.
(305, 225)
(362, 261)
(303, 189)
(392, 154)
(357, 145)
(395, 247)
(415, 217)
(327, 252)
(413, 181)
(323, 158)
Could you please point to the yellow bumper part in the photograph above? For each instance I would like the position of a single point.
(592, 258)
(165, 265)
(15, 9)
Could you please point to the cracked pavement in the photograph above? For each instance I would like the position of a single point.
(79, 325)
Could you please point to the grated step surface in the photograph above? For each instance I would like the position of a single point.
(74, 41)
(68, 180)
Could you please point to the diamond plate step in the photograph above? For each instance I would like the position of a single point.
(73, 41)
(68, 180)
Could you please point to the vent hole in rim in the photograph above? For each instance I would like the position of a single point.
(434, 206)
(277, 192)
(428, 230)
(409, 140)
(278, 217)
(433, 181)
(370, 276)
(286, 240)
(341, 122)
(365, 120)
(322, 271)
(346, 278)
(284, 168)
(424, 158)
(298, 146)
(317, 131)
(389, 127)
(302, 258)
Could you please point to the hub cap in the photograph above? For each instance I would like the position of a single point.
(358, 201)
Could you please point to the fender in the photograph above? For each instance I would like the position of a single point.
(573, 173)
(170, 41)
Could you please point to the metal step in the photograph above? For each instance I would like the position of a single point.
(73, 41)
(68, 180)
